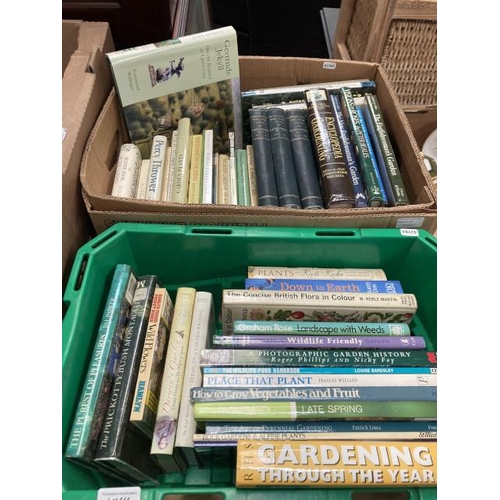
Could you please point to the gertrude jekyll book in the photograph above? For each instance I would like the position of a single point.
(194, 76)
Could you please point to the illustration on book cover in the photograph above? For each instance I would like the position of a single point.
(159, 75)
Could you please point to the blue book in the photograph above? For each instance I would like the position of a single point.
(371, 151)
(322, 370)
(350, 156)
(290, 285)
(322, 426)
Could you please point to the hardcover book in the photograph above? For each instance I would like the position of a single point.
(157, 167)
(242, 178)
(243, 411)
(194, 76)
(267, 189)
(195, 170)
(168, 180)
(321, 273)
(127, 171)
(235, 341)
(142, 180)
(375, 286)
(98, 382)
(303, 159)
(252, 178)
(284, 166)
(182, 161)
(273, 305)
(202, 329)
(162, 446)
(147, 387)
(402, 393)
(319, 328)
(358, 138)
(119, 441)
(380, 135)
(233, 175)
(334, 463)
(223, 186)
(208, 171)
(316, 357)
(335, 179)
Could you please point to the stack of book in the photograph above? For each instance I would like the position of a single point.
(310, 366)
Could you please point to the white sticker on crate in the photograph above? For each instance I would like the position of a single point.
(409, 222)
(329, 65)
(409, 232)
(124, 493)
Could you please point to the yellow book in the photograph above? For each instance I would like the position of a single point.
(252, 177)
(168, 180)
(223, 180)
(162, 447)
(335, 463)
(194, 189)
(182, 161)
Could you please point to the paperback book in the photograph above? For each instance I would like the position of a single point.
(316, 357)
(194, 76)
(323, 464)
(273, 305)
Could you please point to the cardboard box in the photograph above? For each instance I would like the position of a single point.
(86, 83)
(99, 162)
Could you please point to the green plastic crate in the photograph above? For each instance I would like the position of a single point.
(212, 259)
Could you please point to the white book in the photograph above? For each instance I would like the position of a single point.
(127, 171)
(168, 181)
(156, 167)
(208, 156)
(316, 273)
(233, 186)
(142, 180)
(202, 329)
(162, 447)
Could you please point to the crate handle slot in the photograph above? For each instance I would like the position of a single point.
(431, 241)
(377, 495)
(104, 237)
(81, 272)
(336, 233)
(214, 230)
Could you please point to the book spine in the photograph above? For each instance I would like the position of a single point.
(263, 158)
(317, 357)
(209, 440)
(403, 393)
(303, 159)
(272, 305)
(284, 167)
(224, 182)
(242, 179)
(332, 426)
(316, 380)
(215, 177)
(311, 273)
(350, 156)
(168, 182)
(233, 175)
(388, 286)
(120, 399)
(366, 166)
(194, 189)
(142, 180)
(325, 370)
(244, 411)
(127, 170)
(100, 374)
(373, 155)
(202, 329)
(252, 179)
(334, 174)
(411, 342)
(356, 463)
(182, 161)
(380, 131)
(147, 387)
(173, 377)
(156, 167)
(319, 328)
(207, 184)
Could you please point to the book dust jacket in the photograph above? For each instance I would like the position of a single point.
(336, 463)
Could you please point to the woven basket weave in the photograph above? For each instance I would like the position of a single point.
(408, 49)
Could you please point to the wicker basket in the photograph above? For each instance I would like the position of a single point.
(401, 35)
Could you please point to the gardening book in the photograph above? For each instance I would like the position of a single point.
(274, 305)
(321, 273)
(336, 463)
(194, 76)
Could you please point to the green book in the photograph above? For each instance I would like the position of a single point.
(94, 397)
(242, 180)
(249, 411)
